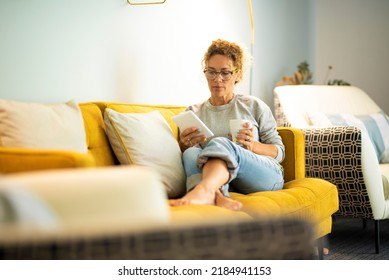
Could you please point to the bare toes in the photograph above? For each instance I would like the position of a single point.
(227, 202)
(177, 202)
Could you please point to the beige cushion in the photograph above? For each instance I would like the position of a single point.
(41, 126)
(146, 139)
(82, 200)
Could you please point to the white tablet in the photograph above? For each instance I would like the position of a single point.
(188, 119)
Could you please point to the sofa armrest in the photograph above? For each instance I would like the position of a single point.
(335, 154)
(293, 163)
(24, 159)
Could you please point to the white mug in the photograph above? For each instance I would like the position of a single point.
(236, 125)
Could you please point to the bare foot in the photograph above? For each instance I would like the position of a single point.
(227, 202)
(198, 195)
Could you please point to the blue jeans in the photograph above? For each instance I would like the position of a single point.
(249, 172)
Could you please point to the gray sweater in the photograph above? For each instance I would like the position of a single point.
(242, 107)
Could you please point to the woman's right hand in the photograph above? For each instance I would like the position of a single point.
(191, 137)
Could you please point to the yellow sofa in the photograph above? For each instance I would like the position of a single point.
(310, 199)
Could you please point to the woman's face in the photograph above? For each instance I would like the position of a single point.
(218, 86)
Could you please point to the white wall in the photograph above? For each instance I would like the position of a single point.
(282, 41)
(55, 50)
(52, 50)
(87, 50)
(353, 36)
(158, 49)
(108, 50)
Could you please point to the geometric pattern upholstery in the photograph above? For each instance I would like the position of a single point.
(255, 239)
(279, 114)
(334, 154)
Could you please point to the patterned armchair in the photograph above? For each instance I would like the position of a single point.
(343, 152)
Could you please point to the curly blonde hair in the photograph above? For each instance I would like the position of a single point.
(229, 49)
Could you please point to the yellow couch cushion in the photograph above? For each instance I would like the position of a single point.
(97, 141)
(14, 160)
(309, 199)
(205, 213)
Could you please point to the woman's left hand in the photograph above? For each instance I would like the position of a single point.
(245, 137)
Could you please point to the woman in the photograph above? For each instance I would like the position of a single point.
(218, 165)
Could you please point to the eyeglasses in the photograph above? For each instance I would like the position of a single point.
(225, 75)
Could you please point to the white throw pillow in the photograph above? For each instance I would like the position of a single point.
(42, 126)
(376, 125)
(146, 139)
